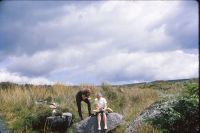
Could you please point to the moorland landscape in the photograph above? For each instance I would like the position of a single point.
(135, 63)
(24, 108)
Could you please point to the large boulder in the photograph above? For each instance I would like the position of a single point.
(3, 128)
(89, 125)
(149, 112)
(59, 123)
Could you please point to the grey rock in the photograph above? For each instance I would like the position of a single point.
(59, 123)
(89, 125)
(3, 128)
(149, 112)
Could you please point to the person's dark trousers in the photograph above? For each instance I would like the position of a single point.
(78, 102)
(79, 109)
(89, 106)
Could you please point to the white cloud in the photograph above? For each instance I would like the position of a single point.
(50, 61)
(135, 25)
(6, 76)
(148, 66)
(118, 41)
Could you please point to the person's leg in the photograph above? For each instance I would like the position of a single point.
(89, 106)
(79, 109)
(99, 121)
(105, 121)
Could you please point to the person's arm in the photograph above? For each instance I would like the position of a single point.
(97, 106)
(85, 95)
(105, 104)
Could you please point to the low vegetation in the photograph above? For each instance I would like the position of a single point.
(180, 113)
(25, 107)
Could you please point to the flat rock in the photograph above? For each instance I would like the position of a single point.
(89, 125)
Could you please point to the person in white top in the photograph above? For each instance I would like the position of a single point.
(101, 105)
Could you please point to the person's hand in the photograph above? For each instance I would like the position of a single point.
(97, 109)
(104, 109)
(88, 98)
(101, 109)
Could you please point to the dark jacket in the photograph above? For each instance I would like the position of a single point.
(79, 98)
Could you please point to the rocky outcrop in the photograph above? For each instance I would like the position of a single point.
(149, 112)
(58, 123)
(3, 128)
(89, 125)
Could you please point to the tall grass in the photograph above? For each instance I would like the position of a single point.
(21, 113)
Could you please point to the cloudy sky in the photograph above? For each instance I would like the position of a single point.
(91, 42)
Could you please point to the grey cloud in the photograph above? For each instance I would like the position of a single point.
(134, 67)
(147, 66)
(19, 31)
(44, 63)
(182, 25)
(36, 28)
(72, 41)
(32, 67)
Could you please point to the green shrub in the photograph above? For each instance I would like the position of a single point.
(39, 118)
(34, 119)
(180, 114)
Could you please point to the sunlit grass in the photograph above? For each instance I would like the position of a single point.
(18, 102)
(146, 128)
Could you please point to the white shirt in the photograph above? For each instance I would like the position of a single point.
(101, 103)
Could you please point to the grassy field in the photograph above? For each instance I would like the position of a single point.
(22, 111)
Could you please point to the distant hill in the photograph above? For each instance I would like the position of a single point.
(158, 82)
(10, 84)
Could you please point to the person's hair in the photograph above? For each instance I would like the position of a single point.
(87, 92)
(98, 94)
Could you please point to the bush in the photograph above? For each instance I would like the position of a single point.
(179, 115)
(34, 119)
(39, 118)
